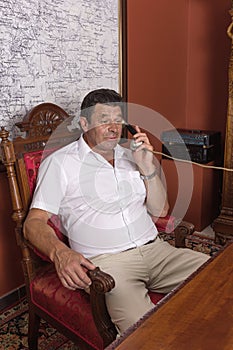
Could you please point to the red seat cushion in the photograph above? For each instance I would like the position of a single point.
(156, 297)
(70, 308)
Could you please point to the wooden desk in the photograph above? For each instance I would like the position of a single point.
(199, 316)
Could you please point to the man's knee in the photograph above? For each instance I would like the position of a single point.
(128, 308)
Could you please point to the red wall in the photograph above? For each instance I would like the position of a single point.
(178, 55)
(177, 64)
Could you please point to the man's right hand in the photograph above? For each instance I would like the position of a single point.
(72, 268)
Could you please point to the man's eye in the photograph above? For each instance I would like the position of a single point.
(106, 121)
(119, 121)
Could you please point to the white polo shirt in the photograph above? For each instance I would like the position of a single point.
(101, 208)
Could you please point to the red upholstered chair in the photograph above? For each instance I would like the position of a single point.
(81, 317)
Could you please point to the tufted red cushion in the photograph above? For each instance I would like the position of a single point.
(32, 162)
(70, 308)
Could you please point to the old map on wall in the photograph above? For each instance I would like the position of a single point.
(55, 51)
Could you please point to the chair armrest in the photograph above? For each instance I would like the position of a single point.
(102, 283)
(170, 225)
(182, 229)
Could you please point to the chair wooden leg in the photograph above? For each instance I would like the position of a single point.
(33, 329)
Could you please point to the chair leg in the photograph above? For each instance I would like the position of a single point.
(33, 329)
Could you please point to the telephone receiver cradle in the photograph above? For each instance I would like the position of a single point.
(133, 144)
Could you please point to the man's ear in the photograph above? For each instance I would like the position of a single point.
(84, 123)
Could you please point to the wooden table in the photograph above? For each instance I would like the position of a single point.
(198, 316)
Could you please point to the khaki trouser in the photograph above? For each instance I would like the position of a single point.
(157, 266)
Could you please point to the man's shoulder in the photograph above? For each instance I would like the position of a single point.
(60, 154)
(67, 149)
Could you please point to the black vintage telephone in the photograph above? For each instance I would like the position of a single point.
(133, 144)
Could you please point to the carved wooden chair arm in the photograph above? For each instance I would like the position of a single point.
(102, 283)
(182, 229)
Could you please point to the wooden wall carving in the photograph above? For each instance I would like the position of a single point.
(223, 225)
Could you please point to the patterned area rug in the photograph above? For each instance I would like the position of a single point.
(13, 322)
(196, 242)
(14, 330)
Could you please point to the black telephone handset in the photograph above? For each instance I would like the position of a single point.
(133, 144)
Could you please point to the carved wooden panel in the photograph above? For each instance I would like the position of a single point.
(42, 120)
(39, 125)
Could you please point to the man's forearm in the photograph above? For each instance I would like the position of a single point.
(156, 200)
(71, 266)
(43, 237)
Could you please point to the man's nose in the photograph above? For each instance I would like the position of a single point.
(113, 126)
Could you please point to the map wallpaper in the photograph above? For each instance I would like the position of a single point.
(55, 51)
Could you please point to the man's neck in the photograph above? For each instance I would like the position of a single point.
(108, 155)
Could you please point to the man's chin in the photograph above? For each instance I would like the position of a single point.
(109, 144)
(113, 141)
